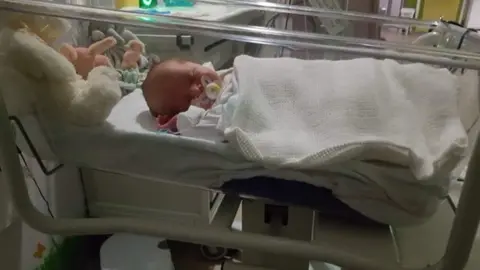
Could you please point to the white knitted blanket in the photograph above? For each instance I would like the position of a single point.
(307, 114)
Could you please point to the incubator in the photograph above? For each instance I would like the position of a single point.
(198, 48)
(301, 163)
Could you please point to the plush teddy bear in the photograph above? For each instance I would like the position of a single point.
(47, 28)
(35, 77)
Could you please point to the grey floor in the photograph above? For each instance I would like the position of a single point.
(392, 34)
(185, 256)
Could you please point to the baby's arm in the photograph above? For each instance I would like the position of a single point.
(167, 123)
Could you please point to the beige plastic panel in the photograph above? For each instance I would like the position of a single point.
(120, 195)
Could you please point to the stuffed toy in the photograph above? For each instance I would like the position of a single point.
(36, 78)
(120, 33)
(131, 57)
(99, 31)
(47, 29)
(85, 59)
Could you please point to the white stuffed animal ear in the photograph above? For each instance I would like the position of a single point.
(38, 59)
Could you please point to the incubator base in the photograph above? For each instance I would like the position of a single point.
(133, 252)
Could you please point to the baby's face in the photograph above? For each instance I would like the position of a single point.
(173, 85)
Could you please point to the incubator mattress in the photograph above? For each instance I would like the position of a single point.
(129, 143)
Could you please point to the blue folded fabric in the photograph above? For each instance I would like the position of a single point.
(296, 193)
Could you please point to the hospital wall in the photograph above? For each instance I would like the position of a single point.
(365, 30)
(473, 15)
(395, 6)
(434, 9)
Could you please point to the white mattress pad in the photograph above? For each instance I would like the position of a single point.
(129, 143)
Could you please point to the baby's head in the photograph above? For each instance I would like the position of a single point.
(171, 85)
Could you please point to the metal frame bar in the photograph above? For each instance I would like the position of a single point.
(345, 15)
(310, 37)
(252, 34)
(467, 217)
(326, 13)
(467, 5)
(465, 224)
(336, 14)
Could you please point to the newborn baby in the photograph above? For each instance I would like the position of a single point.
(172, 86)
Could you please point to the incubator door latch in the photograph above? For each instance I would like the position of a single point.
(185, 42)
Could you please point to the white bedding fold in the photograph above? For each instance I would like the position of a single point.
(299, 114)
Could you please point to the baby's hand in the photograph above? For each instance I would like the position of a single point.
(202, 71)
(167, 122)
(198, 75)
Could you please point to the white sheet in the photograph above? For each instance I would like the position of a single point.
(129, 144)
